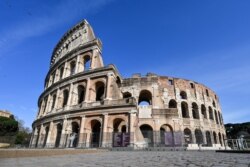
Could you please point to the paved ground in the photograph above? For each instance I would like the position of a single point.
(132, 159)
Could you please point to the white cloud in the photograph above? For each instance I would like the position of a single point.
(39, 25)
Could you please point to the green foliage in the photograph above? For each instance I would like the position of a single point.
(22, 138)
(233, 129)
(8, 126)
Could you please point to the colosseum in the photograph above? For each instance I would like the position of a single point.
(86, 104)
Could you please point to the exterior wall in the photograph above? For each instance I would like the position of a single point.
(5, 114)
(107, 104)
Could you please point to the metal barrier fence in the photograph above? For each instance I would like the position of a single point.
(238, 144)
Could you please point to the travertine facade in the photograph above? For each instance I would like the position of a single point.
(87, 104)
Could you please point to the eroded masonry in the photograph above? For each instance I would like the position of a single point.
(87, 104)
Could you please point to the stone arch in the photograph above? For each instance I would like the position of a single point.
(220, 139)
(172, 104)
(198, 136)
(167, 135)
(214, 105)
(81, 93)
(215, 138)
(61, 72)
(58, 135)
(187, 136)
(210, 110)
(195, 111)
(75, 134)
(147, 132)
(184, 110)
(72, 67)
(118, 81)
(95, 139)
(86, 62)
(216, 117)
(53, 102)
(183, 95)
(208, 138)
(65, 97)
(100, 91)
(145, 97)
(117, 124)
(204, 111)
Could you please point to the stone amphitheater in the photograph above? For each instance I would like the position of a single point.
(86, 104)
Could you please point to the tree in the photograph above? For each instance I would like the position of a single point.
(8, 126)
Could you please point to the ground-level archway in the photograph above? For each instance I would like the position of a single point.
(95, 139)
(147, 132)
(187, 136)
(208, 138)
(166, 135)
(58, 135)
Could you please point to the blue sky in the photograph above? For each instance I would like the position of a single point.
(207, 41)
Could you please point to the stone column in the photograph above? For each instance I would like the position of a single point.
(86, 98)
(82, 139)
(108, 86)
(71, 91)
(64, 135)
(133, 124)
(77, 64)
(105, 130)
(49, 143)
(65, 71)
(57, 99)
(41, 137)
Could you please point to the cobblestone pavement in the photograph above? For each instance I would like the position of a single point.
(132, 159)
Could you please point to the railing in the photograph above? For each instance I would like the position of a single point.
(238, 144)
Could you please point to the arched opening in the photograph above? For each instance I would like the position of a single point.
(184, 110)
(147, 132)
(53, 102)
(198, 136)
(203, 111)
(214, 105)
(99, 87)
(46, 136)
(117, 125)
(81, 93)
(210, 113)
(195, 111)
(58, 135)
(172, 104)
(183, 95)
(215, 138)
(120, 137)
(220, 140)
(167, 136)
(208, 138)
(86, 62)
(216, 117)
(124, 129)
(95, 133)
(118, 82)
(72, 67)
(219, 118)
(65, 97)
(74, 135)
(145, 98)
(61, 72)
(126, 95)
(187, 136)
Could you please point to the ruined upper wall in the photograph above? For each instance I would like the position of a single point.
(79, 35)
